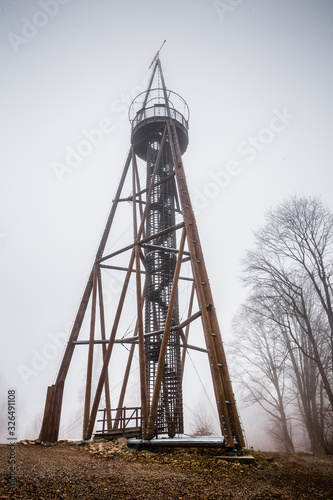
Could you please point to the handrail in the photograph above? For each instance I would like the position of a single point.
(175, 101)
(122, 421)
(158, 111)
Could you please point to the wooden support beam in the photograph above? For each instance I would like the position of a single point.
(90, 355)
(49, 433)
(141, 242)
(139, 297)
(187, 331)
(122, 297)
(135, 341)
(144, 215)
(162, 248)
(124, 387)
(120, 268)
(161, 360)
(101, 381)
(166, 179)
(222, 386)
(142, 191)
(113, 254)
(51, 419)
(103, 337)
(46, 430)
(174, 328)
(86, 295)
(162, 233)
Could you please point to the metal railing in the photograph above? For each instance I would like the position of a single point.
(156, 112)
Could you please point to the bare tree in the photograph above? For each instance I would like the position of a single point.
(262, 372)
(297, 241)
(289, 273)
(306, 355)
(307, 384)
(203, 425)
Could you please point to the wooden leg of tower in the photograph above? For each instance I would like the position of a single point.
(75, 330)
(50, 425)
(230, 410)
(232, 407)
(226, 407)
(58, 394)
(215, 367)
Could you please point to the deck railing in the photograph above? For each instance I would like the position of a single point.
(157, 112)
(119, 419)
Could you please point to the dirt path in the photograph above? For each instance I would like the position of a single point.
(107, 471)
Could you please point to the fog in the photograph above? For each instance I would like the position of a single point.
(257, 78)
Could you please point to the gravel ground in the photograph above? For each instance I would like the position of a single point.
(106, 470)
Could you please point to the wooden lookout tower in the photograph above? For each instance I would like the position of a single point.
(163, 251)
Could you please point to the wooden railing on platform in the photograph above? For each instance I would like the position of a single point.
(119, 420)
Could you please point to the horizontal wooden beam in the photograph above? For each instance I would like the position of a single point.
(119, 268)
(144, 240)
(162, 248)
(134, 340)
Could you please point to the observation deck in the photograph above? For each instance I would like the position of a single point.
(148, 115)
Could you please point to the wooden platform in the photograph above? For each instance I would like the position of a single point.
(131, 432)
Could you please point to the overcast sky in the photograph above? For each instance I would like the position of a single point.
(257, 76)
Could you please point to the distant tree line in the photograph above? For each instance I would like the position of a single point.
(284, 330)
